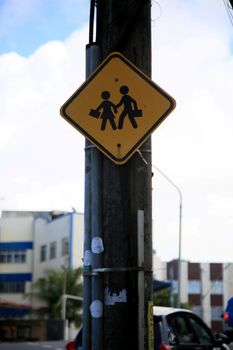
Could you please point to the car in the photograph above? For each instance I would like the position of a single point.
(181, 329)
(176, 329)
(75, 344)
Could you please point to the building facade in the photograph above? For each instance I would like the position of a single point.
(30, 243)
(206, 287)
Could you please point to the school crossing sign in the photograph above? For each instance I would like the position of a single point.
(117, 108)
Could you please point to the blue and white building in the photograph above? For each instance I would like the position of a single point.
(30, 243)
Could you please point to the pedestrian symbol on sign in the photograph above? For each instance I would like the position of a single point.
(130, 108)
(117, 108)
(107, 110)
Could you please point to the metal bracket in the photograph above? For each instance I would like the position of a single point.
(96, 271)
(89, 147)
(118, 269)
(145, 150)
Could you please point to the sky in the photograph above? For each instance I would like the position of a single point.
(42, 62)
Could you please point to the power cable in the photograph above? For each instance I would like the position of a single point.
(230, 2)
(160, 11)
(228, 9)
(94, 14)
(91, 21)
(218, 279)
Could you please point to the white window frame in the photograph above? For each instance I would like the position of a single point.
(216, 312)
(65, 246)
(194, 287)
(43, 253)
(216, 287)
(18, 256)
(53, 250)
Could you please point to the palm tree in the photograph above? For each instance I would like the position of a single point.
(50, 289)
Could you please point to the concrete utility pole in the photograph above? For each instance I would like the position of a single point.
(125, 26)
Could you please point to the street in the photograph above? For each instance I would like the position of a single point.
(50, 345)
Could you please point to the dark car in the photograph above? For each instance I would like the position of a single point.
(181, 329)
(176, 329)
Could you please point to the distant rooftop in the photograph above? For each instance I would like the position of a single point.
(27, 213)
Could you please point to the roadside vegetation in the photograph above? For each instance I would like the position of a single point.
(49, 290)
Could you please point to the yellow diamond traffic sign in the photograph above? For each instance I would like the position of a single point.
(117, 108)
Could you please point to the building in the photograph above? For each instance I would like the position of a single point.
(205, 286)
(58, 241)
(31, 242)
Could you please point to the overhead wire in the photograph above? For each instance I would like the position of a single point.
(93, 17)
(91, 21)
(229, 10)
(230, 2)
(218, 279)
(160, 11)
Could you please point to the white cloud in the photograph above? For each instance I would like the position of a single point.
(37, 145)
(53, 196)
(192, 60)
(7, 132)
(43, 155)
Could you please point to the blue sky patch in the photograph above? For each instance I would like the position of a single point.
(27, 24)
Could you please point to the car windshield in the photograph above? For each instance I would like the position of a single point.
(182, 329)
(202, 333)
(189, 329)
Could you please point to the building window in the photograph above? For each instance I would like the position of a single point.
(216, 287)
(216, 312)
(194, 287)
(216, 271)
(194, 271)
(174, 286)
(53, 250)
(19, 256)
(65, 246)
(43, 251)
(12, 256)
(194, 299)
(197, 309)
(12, 287)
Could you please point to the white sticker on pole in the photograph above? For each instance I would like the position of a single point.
(97, 246)
(87, 258)
(96, 309)
(113, 298)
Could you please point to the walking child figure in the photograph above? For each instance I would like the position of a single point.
(108, 109)
(130, 108)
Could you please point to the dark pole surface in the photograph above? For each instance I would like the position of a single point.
(125, 26)
(92, 334)
(86, 337)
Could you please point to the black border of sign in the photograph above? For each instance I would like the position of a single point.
(145, 136)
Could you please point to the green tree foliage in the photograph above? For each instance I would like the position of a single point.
(162, 297)
(50, 288)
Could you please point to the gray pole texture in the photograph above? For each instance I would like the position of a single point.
(92, 284)
(125, 26)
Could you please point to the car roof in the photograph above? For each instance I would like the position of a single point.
(164, 310)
